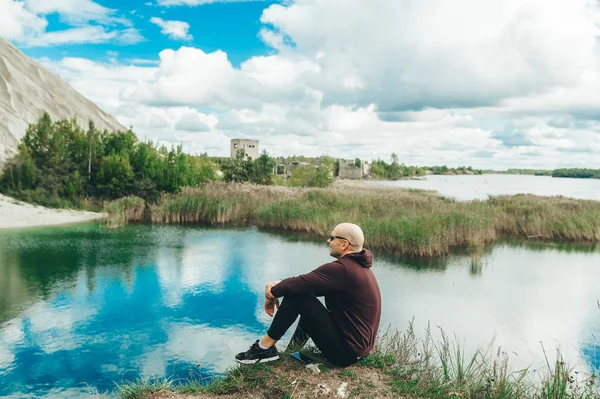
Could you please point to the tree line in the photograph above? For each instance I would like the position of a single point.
(582, 173)
(60, 164)
(395, 170)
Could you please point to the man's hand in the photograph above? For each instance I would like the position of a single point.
(268, 294)
(271, 305)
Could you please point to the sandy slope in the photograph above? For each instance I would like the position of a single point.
(16, 214)
(27, 89)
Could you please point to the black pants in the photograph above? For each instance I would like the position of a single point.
(316, 323)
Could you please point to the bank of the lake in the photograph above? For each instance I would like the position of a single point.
(16, 214)
(409, 222)
(85, 307)
(402, 366)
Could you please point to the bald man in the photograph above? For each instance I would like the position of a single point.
(345, 329)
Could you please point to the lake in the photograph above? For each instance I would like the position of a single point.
(83, 308)
(469, 187)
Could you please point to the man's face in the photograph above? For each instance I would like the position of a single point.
(336, 245)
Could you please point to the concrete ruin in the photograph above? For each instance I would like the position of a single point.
(353, 169)
(250, 148)
(349, 169)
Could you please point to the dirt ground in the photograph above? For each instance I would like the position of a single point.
(299, 381)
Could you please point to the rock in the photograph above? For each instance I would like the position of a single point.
(314, 368)
(341, 391)
(321, 389)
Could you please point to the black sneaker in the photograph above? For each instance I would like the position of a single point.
(257, 355)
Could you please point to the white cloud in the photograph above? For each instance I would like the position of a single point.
(16, 21)
(190, 76)
(272, 39)
(193, 122)
(76, 11)
(25, 23)
(130, 36)
(491, 85)
(89, 34)
(439, 54)
(169, 3)
(86, 34)
(143, 61)
(175, 30)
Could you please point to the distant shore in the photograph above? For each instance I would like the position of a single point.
(16, 214)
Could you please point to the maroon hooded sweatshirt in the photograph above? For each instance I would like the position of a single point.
(351, 294)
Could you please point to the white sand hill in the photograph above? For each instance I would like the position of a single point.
(17, 214)
(27, 89)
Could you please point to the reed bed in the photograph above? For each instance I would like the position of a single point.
(124, 210)
(409, 222)
(219, 204)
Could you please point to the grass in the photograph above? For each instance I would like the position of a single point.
(143, 387)
(407, 222)
(124, 210)
(41, 197)
(402, 365)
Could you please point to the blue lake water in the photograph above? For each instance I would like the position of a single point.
(83, 308)
(469, 187)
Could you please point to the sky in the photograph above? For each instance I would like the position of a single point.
(493, 84)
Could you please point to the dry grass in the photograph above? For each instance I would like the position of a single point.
(410, 222)
(219, 203)
(124, 210)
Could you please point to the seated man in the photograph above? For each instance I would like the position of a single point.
(346, 328)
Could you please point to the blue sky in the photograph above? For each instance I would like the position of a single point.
(232, 27)
(489, 84)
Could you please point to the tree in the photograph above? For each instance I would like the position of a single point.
(115, 176)
(378, 168)
(310, 176)
(59, 160)
(237, 169)
(27, 173)
(37, 138)
(119, 142)
(303, 176)
(262, 171)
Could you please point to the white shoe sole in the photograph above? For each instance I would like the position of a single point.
(269, 359)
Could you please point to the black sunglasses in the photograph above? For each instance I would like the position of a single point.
(332, 237)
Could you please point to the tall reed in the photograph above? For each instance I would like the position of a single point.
(124, 210)
(410, 222)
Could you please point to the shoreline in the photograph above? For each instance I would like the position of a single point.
(15, 214)
(400, 366)
(409, 222)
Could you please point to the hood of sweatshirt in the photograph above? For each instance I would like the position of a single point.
(363, 258)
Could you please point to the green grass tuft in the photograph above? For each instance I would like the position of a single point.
(143, 387)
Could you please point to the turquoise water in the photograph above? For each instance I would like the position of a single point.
(83, 308)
